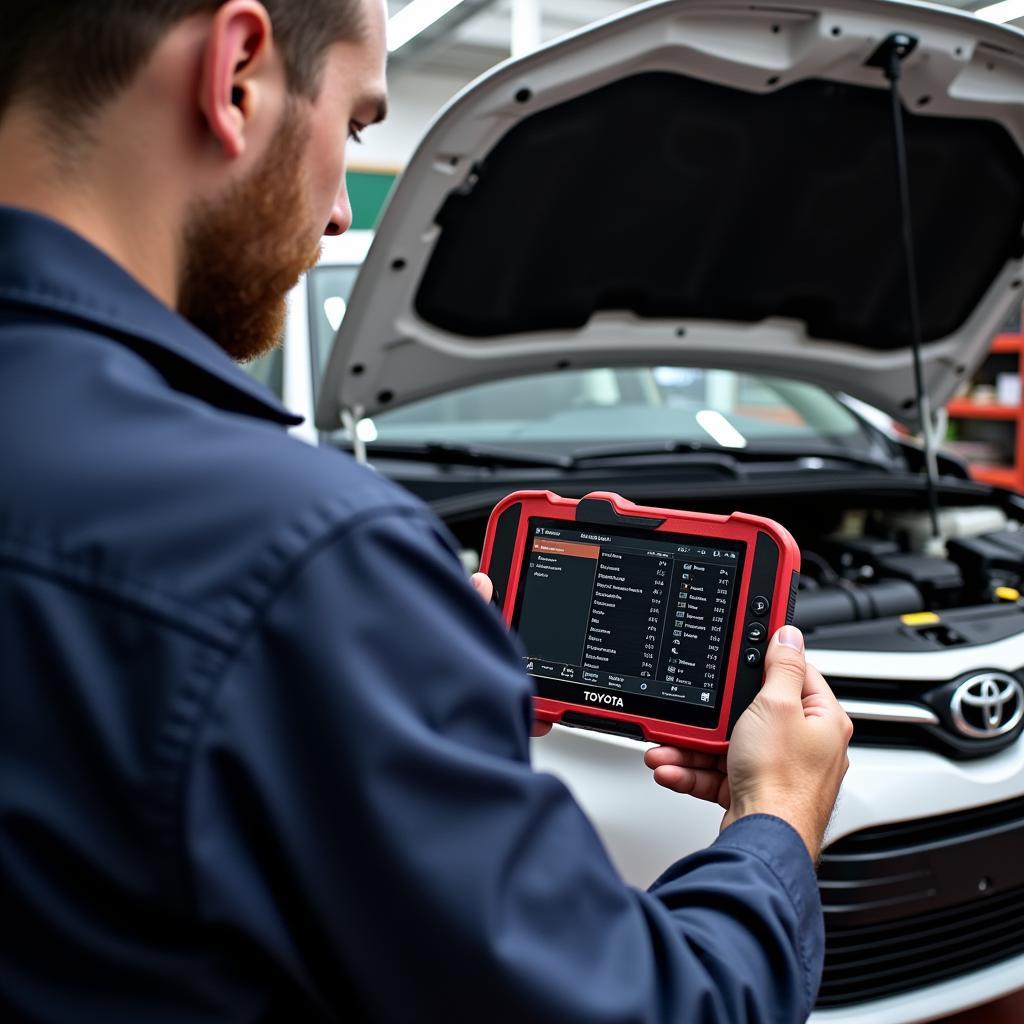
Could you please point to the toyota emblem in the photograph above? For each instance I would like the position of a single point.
(987, 705)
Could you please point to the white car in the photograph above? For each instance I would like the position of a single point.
(537, 310)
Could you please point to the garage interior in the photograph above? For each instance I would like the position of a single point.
(683, 333)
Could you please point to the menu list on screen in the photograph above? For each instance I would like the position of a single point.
(644, 614)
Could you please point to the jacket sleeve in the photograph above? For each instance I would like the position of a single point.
(362, 809)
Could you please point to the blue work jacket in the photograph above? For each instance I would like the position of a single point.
(264, 752)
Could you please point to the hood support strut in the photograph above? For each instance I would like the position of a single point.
(889, 56)
(350, 421)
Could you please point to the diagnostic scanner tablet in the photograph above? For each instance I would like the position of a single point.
(646, 622)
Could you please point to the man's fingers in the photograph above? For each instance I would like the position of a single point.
(482, 583)
(704, 784)
(656, 757)
(691, 772)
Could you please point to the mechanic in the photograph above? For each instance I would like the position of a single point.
(264, 752)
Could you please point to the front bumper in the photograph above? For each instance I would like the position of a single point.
(646, 828)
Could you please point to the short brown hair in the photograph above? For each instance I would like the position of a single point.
(71, 56)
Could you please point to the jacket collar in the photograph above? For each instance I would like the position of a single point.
(47, 267)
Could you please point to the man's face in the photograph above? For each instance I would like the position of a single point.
(245, 251)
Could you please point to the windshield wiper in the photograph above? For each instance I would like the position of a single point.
(628, 450)
(732, 457)
(451, 454)
(694, 454)
(447, 453)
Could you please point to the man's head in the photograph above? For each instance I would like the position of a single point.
(212, 128)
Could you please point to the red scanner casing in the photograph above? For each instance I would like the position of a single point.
(771, 562)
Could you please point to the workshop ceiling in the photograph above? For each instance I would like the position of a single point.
(477, 34)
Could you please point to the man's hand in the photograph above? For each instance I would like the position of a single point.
(787, 755)
(485, 588)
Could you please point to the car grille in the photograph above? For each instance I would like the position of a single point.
(941, 737)
(914, 903)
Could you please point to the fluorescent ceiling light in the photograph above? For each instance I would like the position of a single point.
(334, 310)
(721, 430)
(412, 19)
(1006, 10)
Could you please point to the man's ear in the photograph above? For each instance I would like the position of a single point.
(234, 66)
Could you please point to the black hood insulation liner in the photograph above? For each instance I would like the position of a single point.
(730, 206)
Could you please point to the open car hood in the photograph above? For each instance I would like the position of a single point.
(703, 183)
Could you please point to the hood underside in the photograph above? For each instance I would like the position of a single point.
(705, 185)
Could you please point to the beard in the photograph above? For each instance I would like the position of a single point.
(245, 251)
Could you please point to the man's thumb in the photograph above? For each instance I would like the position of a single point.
(785, 666)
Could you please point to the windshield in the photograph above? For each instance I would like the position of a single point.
(586, 408)
(329, 290)
(572, 410)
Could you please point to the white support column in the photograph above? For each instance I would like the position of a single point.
(721, 390)
(526, 27)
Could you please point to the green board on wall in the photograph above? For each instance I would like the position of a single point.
(367, 191)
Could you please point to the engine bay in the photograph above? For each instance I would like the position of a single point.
(879, 564)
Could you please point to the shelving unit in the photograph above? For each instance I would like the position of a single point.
(1006, 344)
(966, 410)
(998, 476)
